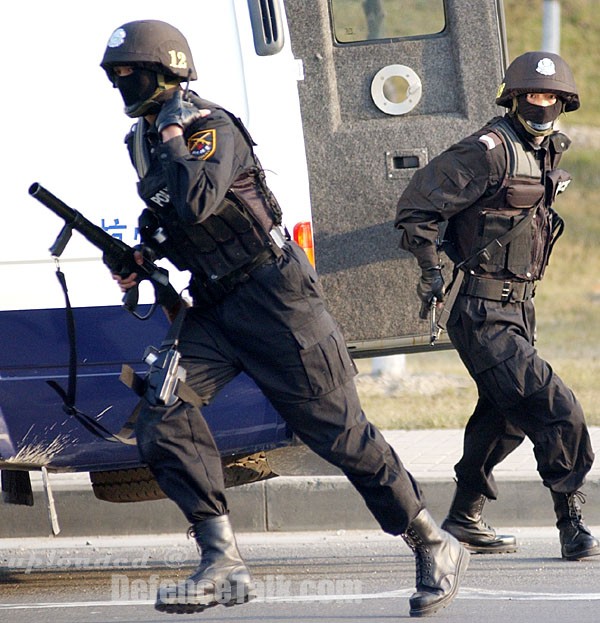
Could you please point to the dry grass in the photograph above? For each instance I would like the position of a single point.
(579, 36)
(434, 392)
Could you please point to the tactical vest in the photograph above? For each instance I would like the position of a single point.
(528, 185)
(225, 242)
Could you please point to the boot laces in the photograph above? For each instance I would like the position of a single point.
(486, 526)
(574, 500)
(422, 555)
(480, 505)
(483, 525)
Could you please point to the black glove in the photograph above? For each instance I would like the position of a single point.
(148, 253)
(177, 111)
(431, 285)
(124, 265)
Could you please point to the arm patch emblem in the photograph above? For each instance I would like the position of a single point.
(490, 140)
(202, 145)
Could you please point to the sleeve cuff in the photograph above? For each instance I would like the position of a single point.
(173, 149)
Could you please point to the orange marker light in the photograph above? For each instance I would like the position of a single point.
(303, 238)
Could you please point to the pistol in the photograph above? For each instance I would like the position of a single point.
(434, 330)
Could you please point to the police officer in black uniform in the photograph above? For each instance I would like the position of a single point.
(257, 307)
(493, 194)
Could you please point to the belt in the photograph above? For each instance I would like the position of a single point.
(209, 292)
(498, 289)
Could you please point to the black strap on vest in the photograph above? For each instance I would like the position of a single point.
(141, 158)
(473, 261)
(509, 139)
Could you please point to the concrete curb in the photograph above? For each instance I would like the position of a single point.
(320, 499)
(281, 504)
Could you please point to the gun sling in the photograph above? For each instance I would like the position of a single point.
(496, 289)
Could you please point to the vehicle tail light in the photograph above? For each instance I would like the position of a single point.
(303, 238)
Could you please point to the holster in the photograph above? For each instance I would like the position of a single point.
(164, 383)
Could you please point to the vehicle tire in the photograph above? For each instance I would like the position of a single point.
(139, 485)
(126, 485)
(246, 469)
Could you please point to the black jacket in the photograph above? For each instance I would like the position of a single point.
(482, 186)
(209, 209)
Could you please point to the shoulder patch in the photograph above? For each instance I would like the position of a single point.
(561, 142)
(490, 140)
(202, 145)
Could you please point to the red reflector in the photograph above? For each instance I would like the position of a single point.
(303, 238)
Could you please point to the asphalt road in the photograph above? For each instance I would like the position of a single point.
(346, 577)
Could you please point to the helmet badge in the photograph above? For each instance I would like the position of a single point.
(546, 67)
(117, 38)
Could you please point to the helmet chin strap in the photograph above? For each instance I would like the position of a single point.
(538, 133)
(187, 85)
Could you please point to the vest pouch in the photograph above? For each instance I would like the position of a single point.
(519, 252)
(182, 248)
(224, 242)
(516, 255)
(213, 248)
(521, 196)
(556, 183)
(493, 224)
(218, 229)
(239, 222)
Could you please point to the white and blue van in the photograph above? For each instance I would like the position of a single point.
(345, 100)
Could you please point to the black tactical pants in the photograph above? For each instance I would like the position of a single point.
(275, 328)
(519, 395)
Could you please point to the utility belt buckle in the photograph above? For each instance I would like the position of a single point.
(506, 291)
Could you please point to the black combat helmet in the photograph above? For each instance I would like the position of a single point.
(160, 56)
(538, 72)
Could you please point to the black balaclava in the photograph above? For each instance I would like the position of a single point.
(138, 90)
(538, 120)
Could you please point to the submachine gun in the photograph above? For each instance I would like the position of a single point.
(117, 255)
(165, 381)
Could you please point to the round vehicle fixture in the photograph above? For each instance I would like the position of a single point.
(396, 89)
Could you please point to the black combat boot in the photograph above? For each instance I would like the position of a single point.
(576, 540)
(464, 522)
(222, 577)
(441, 562)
